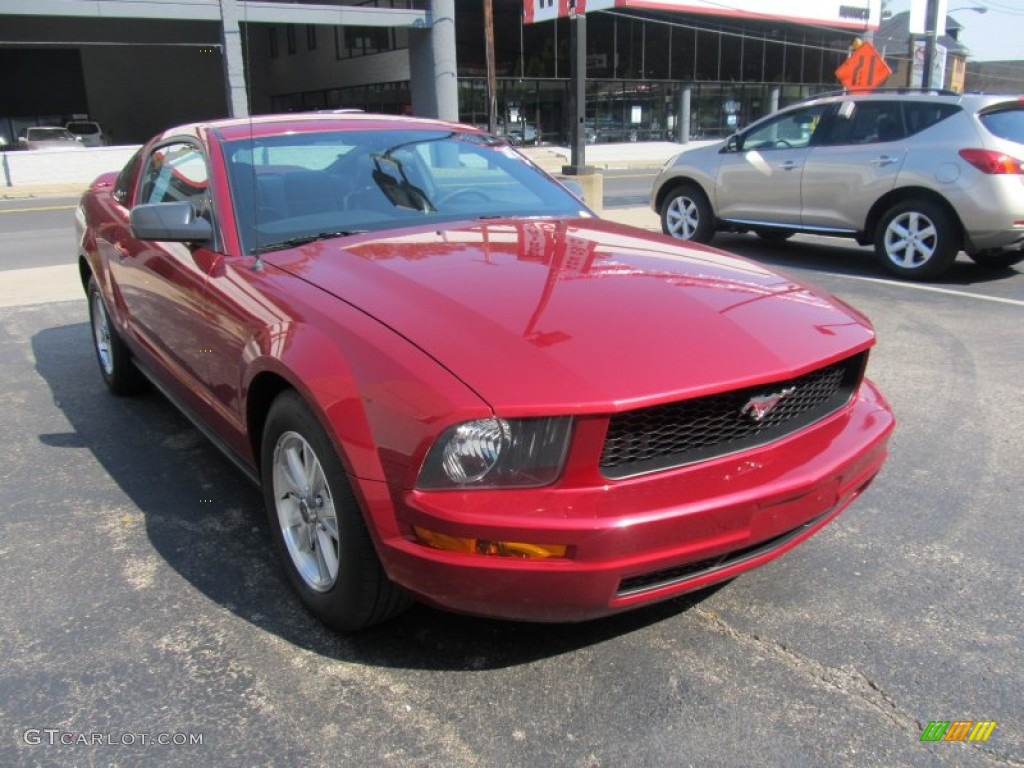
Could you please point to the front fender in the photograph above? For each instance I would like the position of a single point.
(381, 399)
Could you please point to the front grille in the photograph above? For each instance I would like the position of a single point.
(674, 434)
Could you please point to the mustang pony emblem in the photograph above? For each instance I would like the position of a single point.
(759, 406)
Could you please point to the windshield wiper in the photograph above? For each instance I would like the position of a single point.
(293, 242)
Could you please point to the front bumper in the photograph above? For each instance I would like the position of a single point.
(636, 541)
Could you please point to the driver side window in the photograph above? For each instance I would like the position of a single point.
(792, 130)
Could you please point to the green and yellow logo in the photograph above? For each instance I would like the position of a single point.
(958, 730)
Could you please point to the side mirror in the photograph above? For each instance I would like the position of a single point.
(733, 144)
(173, 222)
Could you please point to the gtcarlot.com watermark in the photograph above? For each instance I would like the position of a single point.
(55, 737)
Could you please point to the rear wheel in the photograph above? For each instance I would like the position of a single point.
(686, 214)
(916, 239)
(317, 525)
(115, 361)
(997, 259)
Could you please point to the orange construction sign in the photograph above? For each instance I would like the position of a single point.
(864, 70)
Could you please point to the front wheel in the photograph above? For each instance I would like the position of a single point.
(686, 214)
(917, 239)
(317, 525)
(115, 361)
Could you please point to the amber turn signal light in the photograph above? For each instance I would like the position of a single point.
(520, 549)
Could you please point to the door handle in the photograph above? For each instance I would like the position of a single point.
(884, 160)
(789, 165)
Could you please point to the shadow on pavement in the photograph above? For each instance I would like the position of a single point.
(207, 522)
(844, 257)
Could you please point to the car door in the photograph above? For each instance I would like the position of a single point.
(161, 284)
(855, 162)
(759, 176)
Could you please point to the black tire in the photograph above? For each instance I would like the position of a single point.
(321, 525)
(997, 259)
(774, 235)
(115, 361)
(686, 214)
(917, 239)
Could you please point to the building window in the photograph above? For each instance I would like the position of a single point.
(362, 41)
(340, 51)
(290, 35)
(272, 41)
(311, 37)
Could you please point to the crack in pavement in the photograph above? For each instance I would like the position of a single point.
(844, 680)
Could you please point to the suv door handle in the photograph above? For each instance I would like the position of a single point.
(789, 165)
(884, 160)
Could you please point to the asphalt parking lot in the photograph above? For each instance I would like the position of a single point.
(142, 603)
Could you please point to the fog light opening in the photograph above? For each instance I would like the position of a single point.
(520, 549)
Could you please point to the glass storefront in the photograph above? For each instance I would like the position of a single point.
(638, 69)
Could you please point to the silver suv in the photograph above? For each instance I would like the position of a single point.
(921, 175)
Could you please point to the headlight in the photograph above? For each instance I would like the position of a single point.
(497, 453)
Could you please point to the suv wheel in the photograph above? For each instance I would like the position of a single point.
(916, 239)
(686, 214)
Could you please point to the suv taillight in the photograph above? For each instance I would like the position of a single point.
(987, 161)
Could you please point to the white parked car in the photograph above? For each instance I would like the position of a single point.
(49, 137)
(89, 132)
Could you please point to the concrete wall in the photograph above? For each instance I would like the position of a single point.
(60, 166)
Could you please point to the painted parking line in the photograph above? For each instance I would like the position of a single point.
(932, 289)
(41, 208)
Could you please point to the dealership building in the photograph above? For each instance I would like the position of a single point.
(656, 69)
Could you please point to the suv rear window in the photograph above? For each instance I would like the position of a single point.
(83, 129)
(1005, 122)
(924, 114)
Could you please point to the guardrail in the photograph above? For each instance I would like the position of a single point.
(61, 166)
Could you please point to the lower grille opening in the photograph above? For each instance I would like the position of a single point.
(668, 576)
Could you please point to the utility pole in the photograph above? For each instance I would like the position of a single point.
(578, 105)
(492, 79)
(931, 24)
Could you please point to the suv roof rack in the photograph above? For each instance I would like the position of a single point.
(891, 89)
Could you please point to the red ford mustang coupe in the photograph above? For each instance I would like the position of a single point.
(454, 383)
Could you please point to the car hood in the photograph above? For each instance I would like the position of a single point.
(582, 315)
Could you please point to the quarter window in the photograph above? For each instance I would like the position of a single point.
(924, 114)
(176, 173)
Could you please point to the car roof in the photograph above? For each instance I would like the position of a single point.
(231, 129)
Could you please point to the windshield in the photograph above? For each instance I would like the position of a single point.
(83, 129)
(302, 186)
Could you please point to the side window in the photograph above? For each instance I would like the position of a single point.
(924, 114)
(123, 185)
(176, 173)
(792, 130)
(865, 122)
